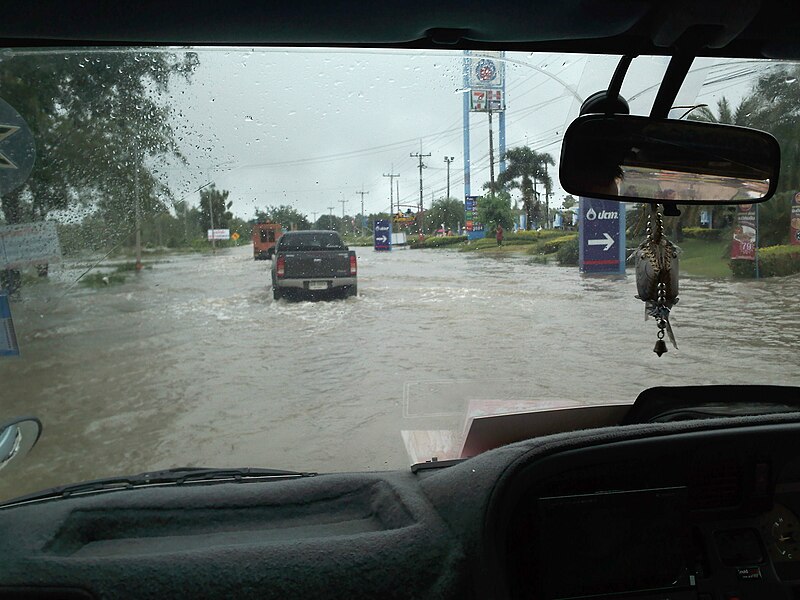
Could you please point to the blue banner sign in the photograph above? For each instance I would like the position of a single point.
(601, 225)
(8, 338)
(473, 228)
(383, 235)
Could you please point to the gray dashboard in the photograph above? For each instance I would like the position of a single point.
(469, 530)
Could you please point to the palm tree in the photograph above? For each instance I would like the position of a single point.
(525, 169)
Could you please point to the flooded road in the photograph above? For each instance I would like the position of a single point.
(192, 363)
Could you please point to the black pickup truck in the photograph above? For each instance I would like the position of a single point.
(313, 262)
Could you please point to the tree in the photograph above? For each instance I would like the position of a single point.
(494, 210)
(98, 119)
(525, 169)
(445, 211)
(211, 197)
(771, 106)
(569, 201)
(331, 222)
(286, 215)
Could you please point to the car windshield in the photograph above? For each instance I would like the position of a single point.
(149, 323)
(317, 240)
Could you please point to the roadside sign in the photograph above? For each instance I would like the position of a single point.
(745, 233)
(471, 224)
(17, 149)
(27, 244)
(219, 234)
(486, 100)
(794, 221)
(486, 70)
(601, 226)
(402, 218)
(8, 338)
(383, 235)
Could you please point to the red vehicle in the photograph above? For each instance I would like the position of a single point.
(265, 236)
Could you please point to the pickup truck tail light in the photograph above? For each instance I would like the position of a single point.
(353, 265)
(280, 267)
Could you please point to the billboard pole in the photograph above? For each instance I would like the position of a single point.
(502, 120)
(465, 104)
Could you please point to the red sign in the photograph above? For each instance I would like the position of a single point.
(794, 221)
(744, 233)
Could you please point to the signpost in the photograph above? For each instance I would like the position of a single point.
(474, 229)
(219, 234)
(17, 149)
(28, 244)
(744, 233)
(601, 227)
(383, 235)
(794, 221)
(8, 338)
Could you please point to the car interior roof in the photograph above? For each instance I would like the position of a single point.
(739, 28)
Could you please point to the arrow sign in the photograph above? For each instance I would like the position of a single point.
(382, 235)
(601, 236)
(607, 242)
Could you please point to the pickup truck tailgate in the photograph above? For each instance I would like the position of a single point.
(317, 265)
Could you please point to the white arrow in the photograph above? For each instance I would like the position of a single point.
(608, 242)
(381, 239)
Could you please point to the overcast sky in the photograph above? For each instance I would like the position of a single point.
(311, 127)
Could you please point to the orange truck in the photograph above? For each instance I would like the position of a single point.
(265, 236)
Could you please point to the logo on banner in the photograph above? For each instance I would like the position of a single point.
(486, 71)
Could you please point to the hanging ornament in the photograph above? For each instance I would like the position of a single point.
(656, 261)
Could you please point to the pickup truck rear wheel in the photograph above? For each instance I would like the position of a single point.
(277, 293)
(350, 290)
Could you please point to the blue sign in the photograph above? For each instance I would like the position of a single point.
(383, 235)
(601, 225)
(474, 229)
(8, 338)
(17, 149)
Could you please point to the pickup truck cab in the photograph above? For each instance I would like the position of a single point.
(313, 262)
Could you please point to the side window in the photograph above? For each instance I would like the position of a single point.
(263, 234)
(271, 235)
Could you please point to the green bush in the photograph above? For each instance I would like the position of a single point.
(362, 240)
(555, 244)
(775, 261)
(437, 242)
(533, 236)
(102, 279)
(568, 252)
(702, 233)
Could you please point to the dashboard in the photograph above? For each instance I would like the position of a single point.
(701, 510)
(695, 517)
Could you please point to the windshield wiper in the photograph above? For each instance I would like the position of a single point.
(178, 476)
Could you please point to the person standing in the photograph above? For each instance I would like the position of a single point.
(499, 235)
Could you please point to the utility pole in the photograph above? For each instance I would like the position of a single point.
(315, 218)
(419, 155)
(391, 177)
(330, 221)
(138, 220)
(363, 193)
(448, 160)
(491, 152)
(343, 201)
(546, 200)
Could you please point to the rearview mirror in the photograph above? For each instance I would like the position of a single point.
(639, 159)
(17, 437)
